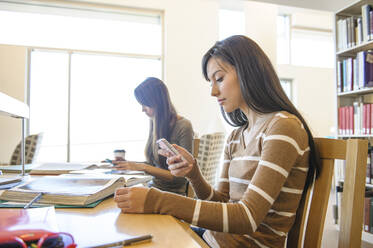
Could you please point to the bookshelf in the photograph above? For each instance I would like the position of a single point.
(17, 109)
(354, 77)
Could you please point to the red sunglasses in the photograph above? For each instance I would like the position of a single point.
(49, 240)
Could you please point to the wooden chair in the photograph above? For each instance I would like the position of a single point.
(309, 223)
(189, 189)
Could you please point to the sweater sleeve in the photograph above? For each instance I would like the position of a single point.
(283, 144)
(183, 135)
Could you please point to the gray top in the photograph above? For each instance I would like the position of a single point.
(182, 135)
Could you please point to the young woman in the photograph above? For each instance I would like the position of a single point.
(269, 159)
(153, 95)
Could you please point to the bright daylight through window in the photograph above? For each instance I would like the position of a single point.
(303, 46)
(84, 66)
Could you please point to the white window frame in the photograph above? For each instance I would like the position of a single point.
(289, 82)
(301, 28)
(102, 10)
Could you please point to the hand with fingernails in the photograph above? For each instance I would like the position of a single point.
(179, 165)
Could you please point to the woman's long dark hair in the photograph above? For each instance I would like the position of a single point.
(153, 93)
(260, 86)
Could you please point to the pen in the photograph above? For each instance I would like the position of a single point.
(129, 241)
(36, 198)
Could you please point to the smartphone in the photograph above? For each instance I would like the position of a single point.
(164, 144)
(109, 161)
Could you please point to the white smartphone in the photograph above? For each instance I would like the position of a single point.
(164, 144)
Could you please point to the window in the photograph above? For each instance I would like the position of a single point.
(84, 66)
(303, 46)
(287, 86)
(283, 39)
(231, 22)
(80, 29)
(312, 48)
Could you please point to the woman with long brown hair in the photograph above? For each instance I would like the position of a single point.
(154, 98)
(269, 159)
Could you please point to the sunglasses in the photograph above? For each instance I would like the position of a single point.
(50, 240)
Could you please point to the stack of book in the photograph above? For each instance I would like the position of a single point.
(70, 189)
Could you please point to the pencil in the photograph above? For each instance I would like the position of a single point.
(36, 198)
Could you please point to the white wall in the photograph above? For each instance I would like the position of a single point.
(261, 19)
(315, 96)
(12, 77)
(325, 5)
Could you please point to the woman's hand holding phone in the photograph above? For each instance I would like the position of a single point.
(180, 164)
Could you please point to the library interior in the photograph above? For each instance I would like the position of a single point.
(160, 124)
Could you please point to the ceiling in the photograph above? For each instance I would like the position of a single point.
(326, 5)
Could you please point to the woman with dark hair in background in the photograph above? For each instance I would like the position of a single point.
(268, 160)
(153, 95)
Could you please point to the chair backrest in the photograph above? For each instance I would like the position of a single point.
(196, 142)
(308, 228)
(32, 144)
(209, 154)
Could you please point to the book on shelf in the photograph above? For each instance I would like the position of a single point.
(70, 189)
(355, 29)
(368, 212)
(365, 14)
(355, 73)
(356, 119)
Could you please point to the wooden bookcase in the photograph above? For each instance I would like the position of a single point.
(353, 41)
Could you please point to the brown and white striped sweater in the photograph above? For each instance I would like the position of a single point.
(262, 180)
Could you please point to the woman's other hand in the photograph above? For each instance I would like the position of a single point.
(131, 200)
(179, 165)
(128, 165)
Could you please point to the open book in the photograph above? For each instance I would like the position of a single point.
(7, 181)
(59, 168)
(52, 168)
(4, 180)
(78, 190)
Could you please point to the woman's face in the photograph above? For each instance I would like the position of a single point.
(148, 111)
(224, 85)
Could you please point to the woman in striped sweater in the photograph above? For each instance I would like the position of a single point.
(268, 160)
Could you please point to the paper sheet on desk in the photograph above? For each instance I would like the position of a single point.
(10, 204)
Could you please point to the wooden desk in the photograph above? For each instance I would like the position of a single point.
(106, 223)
